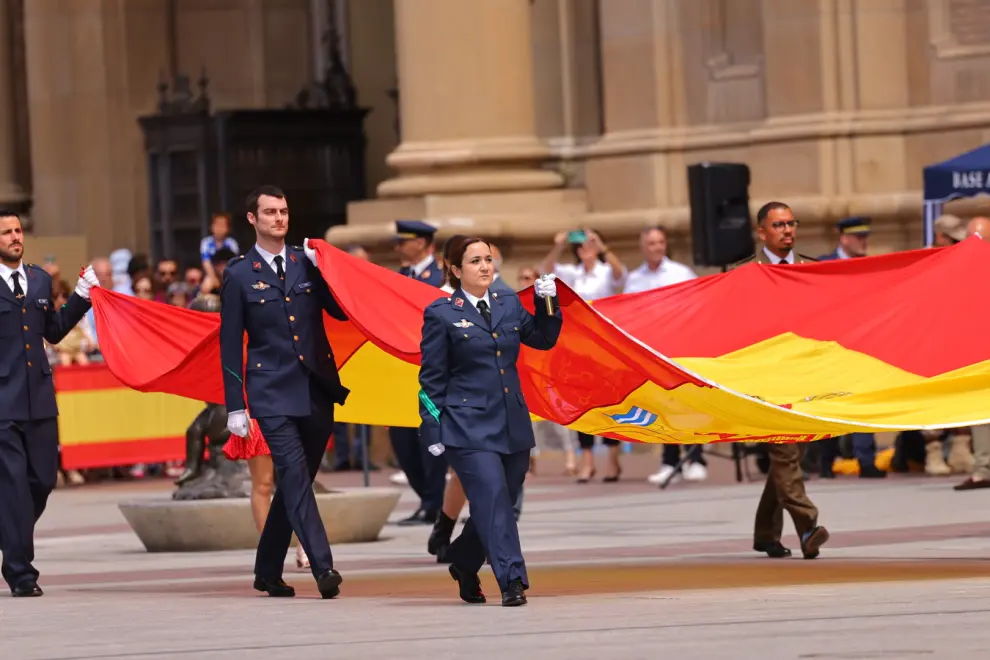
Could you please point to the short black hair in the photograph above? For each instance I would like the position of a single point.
(222, 256)
(764, 211)
(9, 213)
(251, 204)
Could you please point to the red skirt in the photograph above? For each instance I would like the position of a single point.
(239, 448)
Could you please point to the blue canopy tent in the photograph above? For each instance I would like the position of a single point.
(966, 175)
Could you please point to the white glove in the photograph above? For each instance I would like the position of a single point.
(237, 423)
(87, 280)
(310, 252)
(545, 286)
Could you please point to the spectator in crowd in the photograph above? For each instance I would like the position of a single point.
(219, 238)
(659, 270)
(120, 261)
(166, 274)
(596, 272)
(145, 286)
(74, 346)
(179, 294)
(949, 230)
(193, 277)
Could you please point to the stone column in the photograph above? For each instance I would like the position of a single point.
(11, 192)
(466, 100)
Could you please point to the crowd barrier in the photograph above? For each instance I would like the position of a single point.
(103, 423)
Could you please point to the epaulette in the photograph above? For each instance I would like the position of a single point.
(743, 261)
(235, 260)
(807, 258)
(441, 300)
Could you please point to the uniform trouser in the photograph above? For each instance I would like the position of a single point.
(864, 447)
(297, 445)
(28, 470)
(492, 482)
(427, 474)
(784, 490)
(342, 443)
(672, 455)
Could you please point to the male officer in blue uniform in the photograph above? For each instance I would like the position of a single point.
(276, 294)
(425, 472)
(854, 234)
(28, 412)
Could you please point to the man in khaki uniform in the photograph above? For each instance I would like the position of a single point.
(777, 230)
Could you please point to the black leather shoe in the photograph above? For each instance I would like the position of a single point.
(421, 517)
(812, 540)
(329, 584)
(275, 588)
(515, 595)
(773, 549)
(871, 472)
(27, 589)
(469, 585)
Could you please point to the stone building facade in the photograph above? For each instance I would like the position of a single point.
(518, 118)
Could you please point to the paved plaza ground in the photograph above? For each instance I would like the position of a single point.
(617, 570)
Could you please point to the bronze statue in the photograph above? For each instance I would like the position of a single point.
(219, 477)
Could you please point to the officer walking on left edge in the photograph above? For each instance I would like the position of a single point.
(425, 472)
(854, 234)
(28, 411)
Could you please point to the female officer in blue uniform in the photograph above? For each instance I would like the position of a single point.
(473, 409)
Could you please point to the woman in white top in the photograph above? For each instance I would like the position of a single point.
(596, 272)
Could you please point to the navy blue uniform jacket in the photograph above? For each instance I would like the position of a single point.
(471, 395)
(287, 342)
(831, 256)
(26, 389)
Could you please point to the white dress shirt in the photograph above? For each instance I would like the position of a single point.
(774, 259)
(668, 272)
(599, 283)
(474, 301)
(7, 275)
(269, 258)
(418, 268)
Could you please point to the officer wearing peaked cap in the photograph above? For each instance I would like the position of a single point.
(854, 233)
(426, 473)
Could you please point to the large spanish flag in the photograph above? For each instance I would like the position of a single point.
(762, 353)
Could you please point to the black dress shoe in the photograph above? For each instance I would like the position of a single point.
(812, 540)
(871, 472)
(421, 517)
(773, 549)
(329, 584)
(27, 589)
(275, 588)
(515, 595)
(469, 585)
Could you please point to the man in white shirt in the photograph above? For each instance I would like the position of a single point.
(659, 270)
